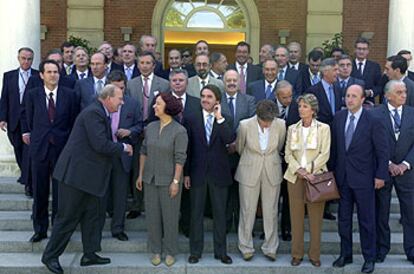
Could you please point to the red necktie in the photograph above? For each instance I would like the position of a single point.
(51, 108)
(145, 99)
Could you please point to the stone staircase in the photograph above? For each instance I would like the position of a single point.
(18, 255)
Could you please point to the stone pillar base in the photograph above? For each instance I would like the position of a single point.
(8, 166)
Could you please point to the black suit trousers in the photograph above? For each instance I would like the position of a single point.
(75, 206)
(218, 198)
(405, 193)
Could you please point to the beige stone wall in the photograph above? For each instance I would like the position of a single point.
(324, 19)
(86, 19)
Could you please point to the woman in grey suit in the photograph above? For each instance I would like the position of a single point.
(163, 154)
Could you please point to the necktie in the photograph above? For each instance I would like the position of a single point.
(332, 99)
(203, 84)
(220, 77)
(315, 79)
(114, 125)
(342, 84)
(242, 80)
(82, 75)
(268, 91)
(68, 70)
(145, 99)
(282, 113)
(397, 121)
(209, 127)
(231, 106)
(181, 115)
(349, 131)
(129, 73)
(281, 75)
(99, 86)
(51, 110)
(360, 68)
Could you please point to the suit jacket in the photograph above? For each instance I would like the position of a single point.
(409, 84)
(371, 76)
(208, 162)
(257, 89)
(190, 69)
(252, 159)
(325, 114)
(317, 151)
(74, 74)
(403, 148)
(35, 120)
(115, 66)
(245, 108)
(351, 81)
(10, 106)
(135, 71)
(292, 115)
(293, 77)
(85, 92)
(368, 154)
(194, 87)
(135, 90)
(36, 81)
(86, 161)
(130, 118)
(410, 75)
(254, 73)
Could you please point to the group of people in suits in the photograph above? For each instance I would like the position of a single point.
(232, 134)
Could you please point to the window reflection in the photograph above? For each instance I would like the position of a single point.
(205, 19)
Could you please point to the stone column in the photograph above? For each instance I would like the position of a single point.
(401, 27)
(19, 27)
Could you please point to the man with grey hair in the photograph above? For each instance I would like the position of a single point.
(149, 43)
(286, 73)
(219, 65)
(106, 48)
(295, 53)
(329, 97)
(401, 141)
(267, 51)
(83, 172)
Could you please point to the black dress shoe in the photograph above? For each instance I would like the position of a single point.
(37, 237)
(329, 216)
(133, 214)
(342, 261)
(193, 259)
(368, 267)
(120, 236)
(380, 259)
(92, 259)
(225, 259)
(286, 236)
(53, 265)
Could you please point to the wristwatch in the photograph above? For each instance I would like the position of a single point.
(175, 181)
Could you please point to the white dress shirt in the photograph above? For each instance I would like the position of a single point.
(183, 98)
(47, 92)
(263, 137)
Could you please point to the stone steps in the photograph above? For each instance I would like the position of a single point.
(129, 263)
(18, 241)
(20, 221)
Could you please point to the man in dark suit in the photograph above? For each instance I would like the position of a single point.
(14, 85)
(286, 73)
(200, 47)
(295, 54)
(87, 89)
(207, 169)
(311, 75)
(288, 111)
(219, 65)
(263, 89)
(397, 119)
(366, 70)
(174, 62)
(47, 120)
(344, 77)
(248, 72)
(396, 69)
(360, 156)
(238, 106)
(67, 52)
(83, 172)
(130, 68)
(407, 55)
(267, 51)
(126, 126)
(80, 68)
(108, 51)
(329, 97)
(149, 43)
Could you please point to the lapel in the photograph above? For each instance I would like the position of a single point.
(366, 68)
(254, 127)
(41, 96)
(388, 123)
(60, 97)
(325, 101)
(273, 137)
(203, 128)
(359, 128)
(404, 123)
(239, 107)
(341, 124)
(15, 82)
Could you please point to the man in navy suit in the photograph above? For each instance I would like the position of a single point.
(207, 169)
(286, 73)
(407, 55)
(129, 53)
(49, 114)
(126, 126)
(295, 54)
(366, 70)
(397, 119)
(311, 75)
(106, 48)
(248, 72)
(14, 85)
(344, 77)
(219, 65)
(267, 51)
(263, 89)
(67, 52)
(174, 62)
(81, 68)
(87, 89)
(360, 157)
(149, 43)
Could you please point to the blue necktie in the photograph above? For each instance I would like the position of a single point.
(281, 75)
(332, 99)
(397, 121)
(129, 73)
(231, 106)
(268, 91)
(349, 131)
(315, 80)
(209, 127)
(82, 75)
